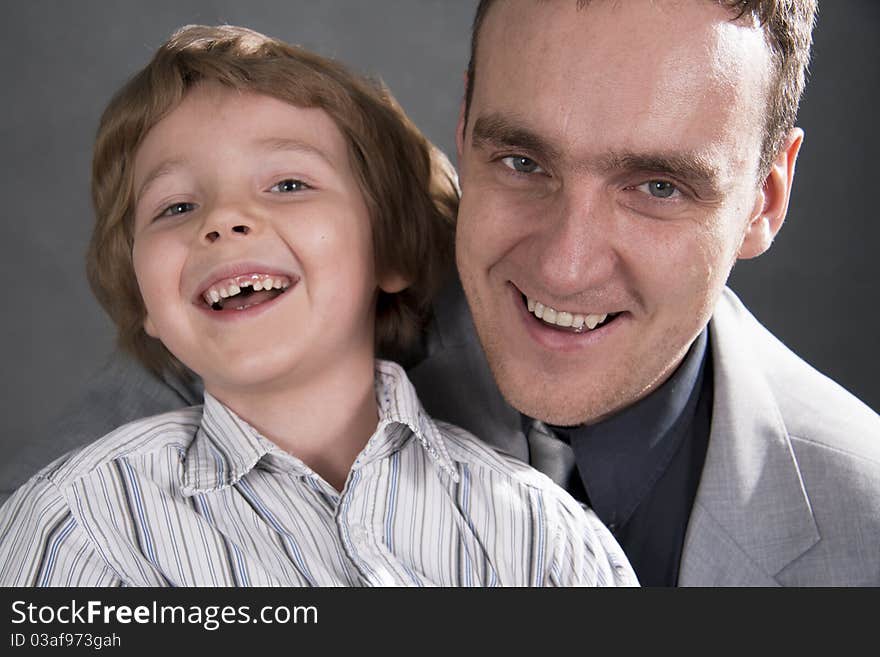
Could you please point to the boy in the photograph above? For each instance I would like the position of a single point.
(266, 220)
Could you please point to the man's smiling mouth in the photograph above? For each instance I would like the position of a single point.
(246, 291)
(575, 322)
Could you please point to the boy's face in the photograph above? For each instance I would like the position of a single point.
(235, 192)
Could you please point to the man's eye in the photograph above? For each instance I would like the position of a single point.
(289, 185)
(177, 208)
(521, 164)
(660, 188)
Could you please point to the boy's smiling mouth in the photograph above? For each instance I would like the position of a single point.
(245, 291)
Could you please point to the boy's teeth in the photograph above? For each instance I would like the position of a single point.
(233, 286)
(562, 318)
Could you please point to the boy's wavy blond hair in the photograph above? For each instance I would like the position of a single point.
(409, 186)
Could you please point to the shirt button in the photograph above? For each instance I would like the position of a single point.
(612, 527)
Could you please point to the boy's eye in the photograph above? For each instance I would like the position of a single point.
(521, 164)
(177, 208)
(289, 185)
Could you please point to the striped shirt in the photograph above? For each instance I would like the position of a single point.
(197, 497)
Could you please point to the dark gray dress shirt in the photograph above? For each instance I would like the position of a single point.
(639, 469)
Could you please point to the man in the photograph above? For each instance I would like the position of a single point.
(616, 159)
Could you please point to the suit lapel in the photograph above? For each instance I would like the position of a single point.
(752, 516)
(712, 556)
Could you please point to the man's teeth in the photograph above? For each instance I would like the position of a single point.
(233, 286)
(576, 321)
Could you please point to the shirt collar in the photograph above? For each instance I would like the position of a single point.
(401, 416)
(622, 457)
(226, 447)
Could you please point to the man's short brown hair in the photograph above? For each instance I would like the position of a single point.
(408, 185)
(788, 29)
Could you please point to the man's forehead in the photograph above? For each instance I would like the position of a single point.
(628, 28)
(732, 9)
(625, 77)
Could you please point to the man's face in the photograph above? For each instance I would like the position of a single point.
(609, 172)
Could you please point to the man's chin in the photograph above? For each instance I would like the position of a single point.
(562, 415)
(549, 401)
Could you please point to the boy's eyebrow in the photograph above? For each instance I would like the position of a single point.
(270, 143)
(162, 169)
(496, 130)
(283, 144)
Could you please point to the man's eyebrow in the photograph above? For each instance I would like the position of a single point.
(688, 167)
(499, 131)
(502, 132)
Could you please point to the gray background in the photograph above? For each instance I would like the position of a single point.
(61, 61)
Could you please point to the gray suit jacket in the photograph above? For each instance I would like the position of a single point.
(790, 491)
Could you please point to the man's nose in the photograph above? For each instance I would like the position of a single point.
(575, 247)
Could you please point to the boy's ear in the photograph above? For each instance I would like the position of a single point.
(150, 328)
(392, 283)
(771, 204)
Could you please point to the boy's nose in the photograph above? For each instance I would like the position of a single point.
(214, 235)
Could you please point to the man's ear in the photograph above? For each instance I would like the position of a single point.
(392, 283)
(771, 205)
(460, 127)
